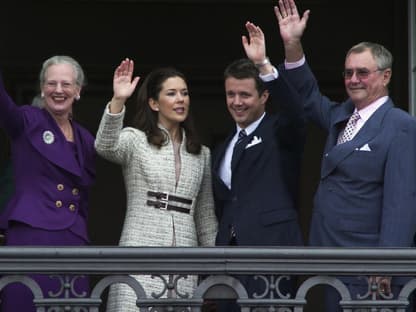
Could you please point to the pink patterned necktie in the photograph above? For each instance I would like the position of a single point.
(347, 134)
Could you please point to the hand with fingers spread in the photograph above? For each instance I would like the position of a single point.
(291, 28)
(123, 84)
(290, 24)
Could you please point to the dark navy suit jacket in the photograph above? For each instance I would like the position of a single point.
(51, 184)
(262, 202)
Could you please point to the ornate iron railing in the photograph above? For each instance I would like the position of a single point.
(111, 265)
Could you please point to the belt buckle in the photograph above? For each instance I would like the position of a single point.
(163, 201)
(163, 205)
(163, 196)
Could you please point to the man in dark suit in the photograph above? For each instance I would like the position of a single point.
(367, 191)
(255, 177)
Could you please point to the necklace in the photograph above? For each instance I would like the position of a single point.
(68, 132)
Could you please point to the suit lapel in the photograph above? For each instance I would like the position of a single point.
(48, 140)
(364, 135)
(79, 144)
(338, 125)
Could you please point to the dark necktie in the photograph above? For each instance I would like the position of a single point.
(241, 135)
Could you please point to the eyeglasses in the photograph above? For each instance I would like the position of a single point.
(64, 85)
(360, 73)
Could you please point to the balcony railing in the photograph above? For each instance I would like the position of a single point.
(111, 265)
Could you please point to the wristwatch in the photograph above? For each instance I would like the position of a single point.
(263, 63)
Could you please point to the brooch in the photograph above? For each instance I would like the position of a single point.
(48, 137)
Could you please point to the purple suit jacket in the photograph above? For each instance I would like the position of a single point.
(51, 183)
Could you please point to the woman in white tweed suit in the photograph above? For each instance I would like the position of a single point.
(166, 171)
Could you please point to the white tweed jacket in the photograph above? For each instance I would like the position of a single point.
(149, 168)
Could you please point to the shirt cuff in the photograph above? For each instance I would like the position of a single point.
(269, 77)
(107, 110)
(293, 65)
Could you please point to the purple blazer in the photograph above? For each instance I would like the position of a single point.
(51, 183)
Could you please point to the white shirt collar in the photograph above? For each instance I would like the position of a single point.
(370, 109)
(251, 127)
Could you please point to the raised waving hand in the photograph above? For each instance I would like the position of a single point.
(255, 44)
(123, 84)
(291, 27)
(255, 48)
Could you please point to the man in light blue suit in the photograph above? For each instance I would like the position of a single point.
(367, 191)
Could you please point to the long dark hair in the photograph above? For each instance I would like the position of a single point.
(146, 119)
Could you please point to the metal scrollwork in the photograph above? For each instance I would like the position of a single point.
(67, 288)
(374, 290)
(170, 286)
(324, 268)
(272, 286)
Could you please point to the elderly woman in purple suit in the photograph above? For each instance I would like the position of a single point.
(54, 165)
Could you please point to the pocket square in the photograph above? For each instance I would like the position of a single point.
(364, 148)
(256, 140)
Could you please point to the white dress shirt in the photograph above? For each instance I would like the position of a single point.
(367, 112)
(225, 166)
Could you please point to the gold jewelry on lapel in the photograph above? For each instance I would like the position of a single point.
(48, 137)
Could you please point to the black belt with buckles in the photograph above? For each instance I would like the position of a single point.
(163, 199)
(168, 197)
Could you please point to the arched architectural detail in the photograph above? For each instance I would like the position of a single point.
(217, 284)
(406, 291)
(118, 279)
(321, 280)
(28, 282)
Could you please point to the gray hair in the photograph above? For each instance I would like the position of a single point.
(63, 59)
(382, 56)
(37, 101)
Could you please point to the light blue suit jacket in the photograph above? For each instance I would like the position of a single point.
(367, 191)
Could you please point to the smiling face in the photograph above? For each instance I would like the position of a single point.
(244, 102)
(59, 89)
(365, 90)
(172, 103)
